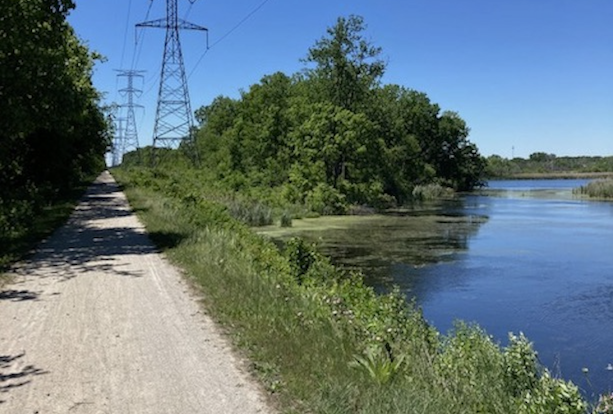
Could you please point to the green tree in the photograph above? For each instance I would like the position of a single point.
(52, 130)
(336, 137)
(456, 159)
(347, 66)
(333, 135)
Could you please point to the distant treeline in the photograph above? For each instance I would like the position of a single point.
(333, 135)
(540, 164)
(53, 133)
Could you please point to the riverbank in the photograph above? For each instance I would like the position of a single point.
(319, 339)
(562, 175)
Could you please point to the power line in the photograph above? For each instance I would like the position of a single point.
(239, 24)
(228, 33)
(125, 33)
(139, 48)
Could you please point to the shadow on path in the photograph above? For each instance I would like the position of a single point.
(13, 376)
(18, 295)
(91, 240)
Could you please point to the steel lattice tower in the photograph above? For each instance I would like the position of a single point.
(130, 134)
(173, 117)
(118, 142)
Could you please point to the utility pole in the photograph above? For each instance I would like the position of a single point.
(130, 136)
(173, 116)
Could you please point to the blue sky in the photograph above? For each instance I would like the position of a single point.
(526, 75)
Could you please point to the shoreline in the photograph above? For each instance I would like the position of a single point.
(554, 176)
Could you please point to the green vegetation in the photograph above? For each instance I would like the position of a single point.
(332, 136)
(319, 339)
(330, 140)
(53, 135)
(602, 189)
(542, 165)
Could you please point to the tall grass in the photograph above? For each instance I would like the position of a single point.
(323, 342)
(431, 192)
(602, 189)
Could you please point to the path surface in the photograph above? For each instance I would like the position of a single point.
(98, 322)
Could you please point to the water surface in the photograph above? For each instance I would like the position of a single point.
(522, 256)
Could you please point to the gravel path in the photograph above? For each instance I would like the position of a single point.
(98, 322)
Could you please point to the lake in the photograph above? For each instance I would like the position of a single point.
(520, 256)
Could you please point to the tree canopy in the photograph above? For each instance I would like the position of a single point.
(52, 131)
(333, 134)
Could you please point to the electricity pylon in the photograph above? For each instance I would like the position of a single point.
(130, 134)
(118, 142)
(173, 116)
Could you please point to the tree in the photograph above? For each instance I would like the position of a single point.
(333, 135)
(52, 130)
(337, 138)
(347, 66)
(456, 159)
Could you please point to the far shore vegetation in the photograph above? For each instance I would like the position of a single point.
(540, 165)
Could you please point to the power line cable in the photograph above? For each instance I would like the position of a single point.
(125, 33)
(139, 39)
(189, 9)
(228, 33)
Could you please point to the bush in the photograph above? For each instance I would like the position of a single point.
(286, 219)
(326, 200)
(553, 396)
(431, 192)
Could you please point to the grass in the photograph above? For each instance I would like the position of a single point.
(431, 192)
(319, 340)
(601, 189)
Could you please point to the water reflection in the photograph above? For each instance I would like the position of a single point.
(379, 245)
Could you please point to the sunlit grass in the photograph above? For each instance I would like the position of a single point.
(320, 341)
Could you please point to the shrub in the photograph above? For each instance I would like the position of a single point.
(431, 192)
(286, 219)
(552, 396)
(520, 363)
(250, 213)
(324, 199)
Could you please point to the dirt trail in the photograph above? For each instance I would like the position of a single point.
(98, 322)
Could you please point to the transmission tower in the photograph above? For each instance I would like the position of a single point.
(173, 116)
(118, 142)
(130, 135)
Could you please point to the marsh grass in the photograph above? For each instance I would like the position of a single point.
(602, 189)
(320, 341)
(431, 192)
(286, 219)
(251, 213)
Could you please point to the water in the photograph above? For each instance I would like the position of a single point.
(522, 256)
